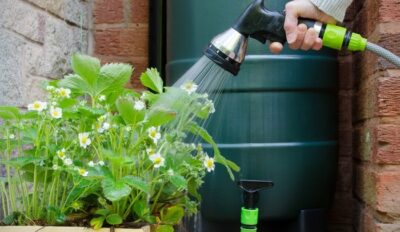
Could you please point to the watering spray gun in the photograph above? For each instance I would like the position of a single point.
(228, 49)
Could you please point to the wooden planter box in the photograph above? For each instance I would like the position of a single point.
(66, 229)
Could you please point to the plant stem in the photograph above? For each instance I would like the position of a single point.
(128, 209)
(156, 198)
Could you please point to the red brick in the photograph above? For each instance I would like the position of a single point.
(344, 177)
(345, 141)
(140, 11)
(108, 11)
(342, 209)
(125, 42)
(388, 192)
(345, 108)
(388, 144)
(389, 10)
(389, 96)
(363, 142)
(366, 98)
(346, 77)
(367, 19)
(364, 186)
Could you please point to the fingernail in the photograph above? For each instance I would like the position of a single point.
(291, 38)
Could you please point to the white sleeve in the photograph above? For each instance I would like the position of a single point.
(334, 8)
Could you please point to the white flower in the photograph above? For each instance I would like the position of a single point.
(41, 163)
(65, 93)
(209, 164)
(143, 96)
(128, 128)
(83, 172)
(84, 139)
(11, 136)
(139, 105)
(67, 161)
(38, 106)
(150, 151)
(154, 134)
(189, 87)
(50, 88)
(55, 167)
(56, 112)
(170, 172)
(157, 160)
(101, 163)
(211, 106)
(102, 98)
(106, 126)
(91, 163)
(61, 154)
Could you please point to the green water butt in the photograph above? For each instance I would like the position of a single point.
(277, 119)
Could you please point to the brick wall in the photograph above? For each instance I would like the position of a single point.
(121, 33)
(370, 109)
(37, 38)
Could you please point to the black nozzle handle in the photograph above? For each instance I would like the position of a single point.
(265, 25)
(261, 24)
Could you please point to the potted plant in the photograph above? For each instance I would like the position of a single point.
(98, 154)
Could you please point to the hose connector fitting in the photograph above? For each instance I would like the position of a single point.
(357, 43)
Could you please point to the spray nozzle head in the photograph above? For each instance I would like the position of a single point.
(228, 49)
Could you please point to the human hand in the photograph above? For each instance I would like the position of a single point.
(298, 36)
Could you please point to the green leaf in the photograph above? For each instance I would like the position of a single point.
(68, 102)
(9, 112)
(178, 181)
(152, 80)
(150, 97)
(200, 131)
(128, 112)
(172, 215)
(86, 67)
(164, 228)
(19, 162)
(137, 183)
(159, 116)
(76, 83)
(141, 208)
(30, 115)
(115, 190)
(91, 112)
(97, 223)
(112, 77)
(192, 189)
(10, 219)
(102, 212)
(114, 219)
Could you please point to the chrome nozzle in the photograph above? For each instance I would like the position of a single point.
(228, 50)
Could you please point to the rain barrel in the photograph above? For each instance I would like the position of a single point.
(277, 119)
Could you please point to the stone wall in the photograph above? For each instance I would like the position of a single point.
(37, 38)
